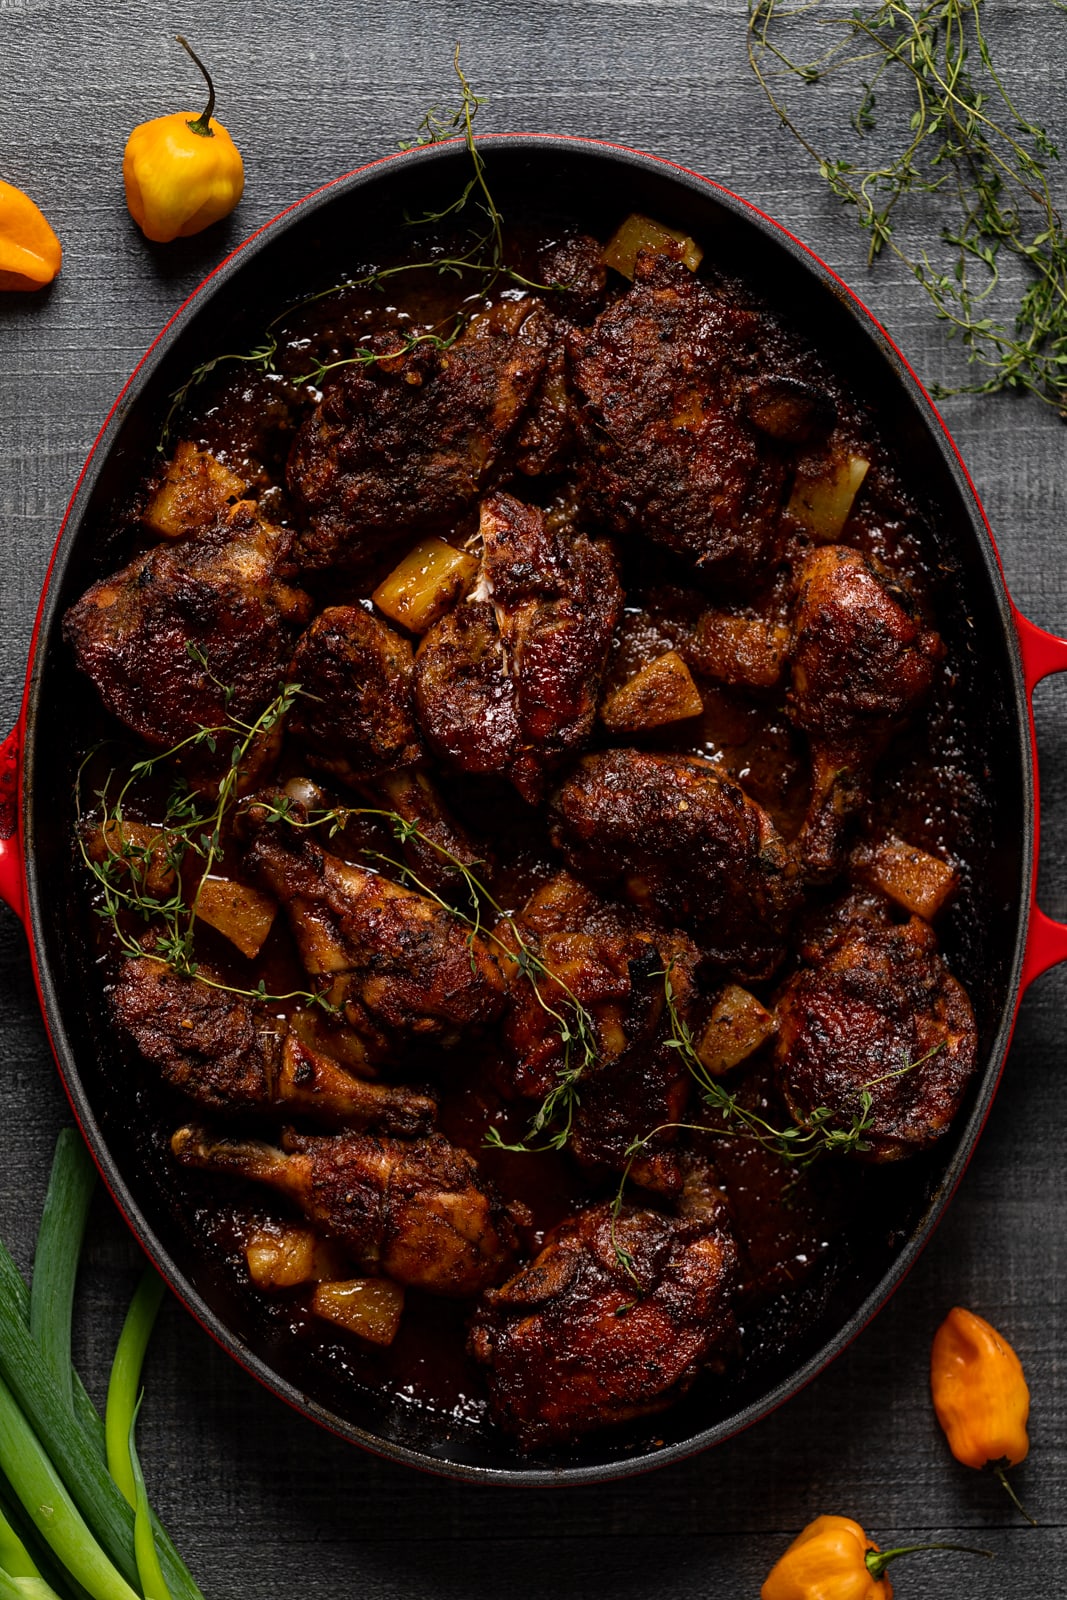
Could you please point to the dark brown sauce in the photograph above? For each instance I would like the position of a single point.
(795, 1230)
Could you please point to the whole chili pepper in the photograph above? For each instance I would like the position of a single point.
(980, 1395)
(833, 1559)
(30, 253)
(181, 172)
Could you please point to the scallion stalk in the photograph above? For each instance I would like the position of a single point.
(24, 1588)
(125, 1381)
(30, 1472)
(15, 1559)
(55, 1259)
(78, 1457)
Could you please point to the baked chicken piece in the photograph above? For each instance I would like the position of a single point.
(508, 681)
(409, 442)
(609, 1322)
(229, 1054)
(862, 662)
(356, 713)
(859, 660)
(874, 1008)
(144, 635)
(687, 845)
(419, 1212)
(397, 961)
(613, 963)
(667, 447)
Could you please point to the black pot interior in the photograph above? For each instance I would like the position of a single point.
(328, 237)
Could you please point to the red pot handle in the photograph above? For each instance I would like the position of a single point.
(1043, 653)
(12, 878)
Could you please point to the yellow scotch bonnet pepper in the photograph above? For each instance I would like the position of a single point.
(182, 172)
(30, 253)
(833, 1559)
(980, 1395)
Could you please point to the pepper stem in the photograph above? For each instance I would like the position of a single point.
(1013, 1497)
(202, 125)
(876, 1561)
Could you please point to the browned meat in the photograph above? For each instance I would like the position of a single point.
(607, 959)
(398, 961)
(434, 840)
(863, 660)
(874, 1008)
(668, 450)
(573, 1342)
(421, 1213)
(356, 714)
(573, 266)
(546, 438)
(409, 443)
(142, 635)
(508, 682)
(230, 1055)
(688, 845)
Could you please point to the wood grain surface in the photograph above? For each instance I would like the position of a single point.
(261, 1502)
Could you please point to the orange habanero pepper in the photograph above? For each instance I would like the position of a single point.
(980, 1395)
(833, 1559)
(181, 172)
(30, 253)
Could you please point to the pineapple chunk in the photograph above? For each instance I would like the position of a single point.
(281, 1255)
(823, 494)
(642, 233)
(194, 491)
(141, 850)
(427, 582)
(920, 883)
(744, 650)
(369, 1307)
(240, 914)
(738, 1025)
(663, 691)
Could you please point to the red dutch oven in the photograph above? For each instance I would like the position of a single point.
(998, 939)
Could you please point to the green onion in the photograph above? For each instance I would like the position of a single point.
(39, 1487)
(77, 1454)
(151, 1573)
(24, 1588)
(125, 1382)
(15, 1559)
(55, 1261)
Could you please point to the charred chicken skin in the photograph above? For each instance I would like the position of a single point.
(666, 450)
(508, 682)
(400, 963)
(609, 1322)
(230, 1055)
(613, 963)
(409, 443)
(355, 713)
(874, 1008)
(863, 661)
(687, 845)
(223, 597)
(419, 1212)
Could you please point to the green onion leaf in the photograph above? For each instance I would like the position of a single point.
(57, 1519)
(15, 1559)
(125, 1382)
(151, 1573)
(55, 1261)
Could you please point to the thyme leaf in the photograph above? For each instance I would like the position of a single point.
(954, 132)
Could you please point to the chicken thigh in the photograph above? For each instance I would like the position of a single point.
(613, 1320)
(873, 1010)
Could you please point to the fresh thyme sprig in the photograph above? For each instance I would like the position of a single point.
(965, 142)
(553, 1120)
(800, 1145)
(483, 258)
(192, 829)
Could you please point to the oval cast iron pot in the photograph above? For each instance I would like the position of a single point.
(594, 184)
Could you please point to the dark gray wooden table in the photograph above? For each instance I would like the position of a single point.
(260, 1501)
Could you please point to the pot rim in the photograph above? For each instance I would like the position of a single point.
(44, 635)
